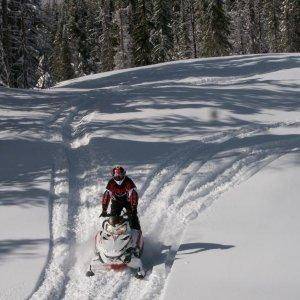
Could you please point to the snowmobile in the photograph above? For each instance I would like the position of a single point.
(117, 246)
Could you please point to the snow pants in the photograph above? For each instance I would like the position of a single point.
(116, 208)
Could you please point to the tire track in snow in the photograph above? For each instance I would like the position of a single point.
(237, 170)
(52, 285)
(242, 132)
(114, 283)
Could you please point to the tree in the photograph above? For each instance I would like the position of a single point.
(76, 17)
(290, 26)
(183, 25)
(141, 34)
(272, 11)
(107, 36)
(215, 23)
(5, 45)
(161, 35)
(62, 61)
(122, 19)
(19, 49)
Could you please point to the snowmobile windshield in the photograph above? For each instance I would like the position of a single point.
(121, 230)
(116, 225)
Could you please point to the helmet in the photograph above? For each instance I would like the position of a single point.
(118, 173)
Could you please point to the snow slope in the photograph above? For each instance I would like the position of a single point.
(247, 246)
(186, 131)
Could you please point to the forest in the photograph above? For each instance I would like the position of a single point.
(46, 42)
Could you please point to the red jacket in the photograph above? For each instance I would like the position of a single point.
(126, 191)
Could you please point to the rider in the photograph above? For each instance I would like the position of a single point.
(121, 193)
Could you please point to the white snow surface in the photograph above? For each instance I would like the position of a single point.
(187, 132)
(247, 245)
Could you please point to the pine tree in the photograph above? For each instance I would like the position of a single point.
(47, 31)
(183, 26)
(216, 23)
(289, 26)
(4, 44)
(19, 50)
(94, 32)
(272, 11)
(76, 26)
(107, 36)
(24, 52)
(161, 36)
(62, 60)
(255, 26)
(238, 33)
(124, 50)
(141, 34)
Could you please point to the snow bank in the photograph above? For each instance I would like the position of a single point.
(247, 245)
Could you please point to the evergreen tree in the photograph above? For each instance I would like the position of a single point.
(62, 60)
(46, 38)
(290, 26)
(76, 26)
(183, 29)
(107, 36)
(94, 32)
(141, 34)
(161, 36)
(239, 17)
(255, 26)
(122, 19)
(216, 24)
(19, 50)
(272, 11)
(4, 44)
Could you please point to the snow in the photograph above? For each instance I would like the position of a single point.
(247, 245)
(187, 132)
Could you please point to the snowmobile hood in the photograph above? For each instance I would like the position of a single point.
(115, 246)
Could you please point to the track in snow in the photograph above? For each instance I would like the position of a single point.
(173, 192)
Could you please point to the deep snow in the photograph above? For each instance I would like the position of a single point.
(247, 245)
(186, 131)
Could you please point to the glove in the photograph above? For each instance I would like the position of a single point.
(103, 214)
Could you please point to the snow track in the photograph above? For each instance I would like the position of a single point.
(180, 172)
(173, 193)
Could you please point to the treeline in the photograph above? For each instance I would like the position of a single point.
(44, 43)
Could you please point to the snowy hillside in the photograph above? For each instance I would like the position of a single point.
(187, 132)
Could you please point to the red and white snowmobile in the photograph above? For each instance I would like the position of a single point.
(117, 246)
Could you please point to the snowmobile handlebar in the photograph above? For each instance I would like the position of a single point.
(125, 215)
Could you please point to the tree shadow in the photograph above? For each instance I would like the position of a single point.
(22, 248)
(167, 255)
(25, 172)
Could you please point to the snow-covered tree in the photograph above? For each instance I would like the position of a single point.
(62, 60)
(216, 28)
(94, 33)
(238, 30)
(272, 11)
(19, 42)
(289, 26)
(4, 44)
(141, 34)
(107, 36)
(124, 50)
(161, 36)
(76, 13)
(183, 27)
